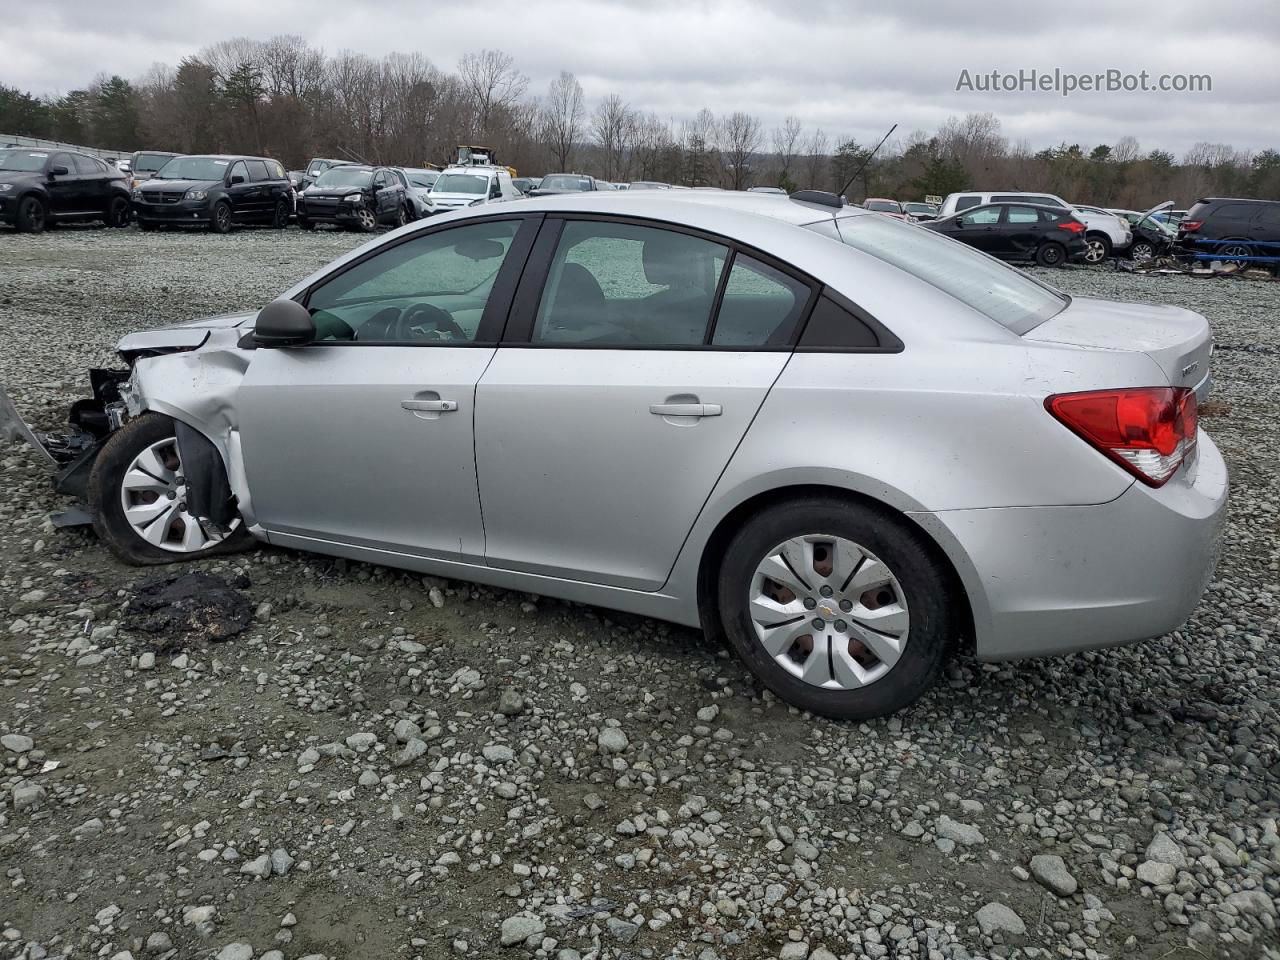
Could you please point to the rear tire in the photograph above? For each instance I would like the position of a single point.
(127, 453)
(891, 573)
(281, 218)
(119, 213)
(32, 217)
(1051, 254)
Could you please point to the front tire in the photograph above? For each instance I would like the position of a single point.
(1142, 250)
(1096, 248)
(1051, 254)
(136, 494)
(366, 221)
(32, 215)
(837, 607)
(220, 220)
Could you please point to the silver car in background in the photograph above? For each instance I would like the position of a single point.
(836, 441)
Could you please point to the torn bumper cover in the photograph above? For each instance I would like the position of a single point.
(92, 420)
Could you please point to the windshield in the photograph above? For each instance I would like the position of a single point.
(883, 206)
(1005, 294)
(919, 208)
(150, 162)
(345, 177)
(565, 183)
(194, 168)
(22, 160)
(421, 178)
(461, 183)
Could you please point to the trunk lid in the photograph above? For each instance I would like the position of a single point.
(1178, 340)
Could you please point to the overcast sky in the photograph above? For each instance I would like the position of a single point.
(852, 68)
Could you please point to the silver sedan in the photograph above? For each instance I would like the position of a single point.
(835, 441)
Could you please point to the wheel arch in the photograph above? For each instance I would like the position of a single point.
(713, 547)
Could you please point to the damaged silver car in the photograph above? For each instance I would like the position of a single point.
(834, 440)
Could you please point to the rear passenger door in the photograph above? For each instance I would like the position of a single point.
(263, 199)
(1021, 229)
(92, 175)
(635, 359)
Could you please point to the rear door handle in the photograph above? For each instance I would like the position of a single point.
(430, 406)
(685, 409)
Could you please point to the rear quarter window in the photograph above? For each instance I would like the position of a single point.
(1235, 211)
(964, 203)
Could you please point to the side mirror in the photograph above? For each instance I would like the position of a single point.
(283, 323)
(237, 179)
(58, 171)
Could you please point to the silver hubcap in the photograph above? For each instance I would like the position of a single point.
(154, 497)
(1095, 252)
(1142, 251)
(1235, 250)
(366, 219)
(829, 611)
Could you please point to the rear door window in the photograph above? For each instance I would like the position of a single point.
(622, 285)
(1023, 214)
(85, 165)
(761, 306)
(1236, 211)
(257, 170)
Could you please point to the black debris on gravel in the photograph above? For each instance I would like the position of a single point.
(183, 606)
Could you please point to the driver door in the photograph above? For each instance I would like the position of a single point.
(365, 436)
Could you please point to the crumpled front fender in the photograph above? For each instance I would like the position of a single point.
(199, 388)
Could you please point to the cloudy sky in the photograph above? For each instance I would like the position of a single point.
(851, 67)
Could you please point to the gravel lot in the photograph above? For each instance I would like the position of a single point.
(385, 765)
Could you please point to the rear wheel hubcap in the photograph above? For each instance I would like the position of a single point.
(153, 495)
(829, 611)
(1096, 252)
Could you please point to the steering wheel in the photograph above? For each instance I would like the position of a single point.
(422, 318)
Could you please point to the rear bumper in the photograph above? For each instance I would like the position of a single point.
(1052, 580)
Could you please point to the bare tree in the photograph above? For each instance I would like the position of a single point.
(492, 82)
(816, 158)
(786, 139)
(740, 140)
(562, 118)
(613, 126)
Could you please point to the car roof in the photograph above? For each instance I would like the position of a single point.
(690, 207)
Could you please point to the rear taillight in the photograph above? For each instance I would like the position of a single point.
(1191, 226)
(1149, 431)
(1075, 226)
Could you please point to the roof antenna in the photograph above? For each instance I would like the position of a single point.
(868, 160)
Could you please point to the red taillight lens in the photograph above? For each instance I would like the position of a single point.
(1075, 226)
(1191, 226)
(1149, 431)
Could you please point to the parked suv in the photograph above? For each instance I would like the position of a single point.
(471, 186)
(358, 197)
(39, 187)
(1105, 233)
(217, 192)
(1232, 228)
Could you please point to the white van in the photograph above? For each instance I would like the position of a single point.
(1104, 232)
(471, 186)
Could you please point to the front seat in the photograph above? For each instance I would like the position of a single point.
(679, 313)
(577, 306)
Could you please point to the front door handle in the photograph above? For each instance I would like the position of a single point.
(685, 409)
(430, 406)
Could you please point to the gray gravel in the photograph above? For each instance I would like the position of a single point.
(386, 765)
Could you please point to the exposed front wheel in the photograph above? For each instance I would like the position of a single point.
(32, 216)
(137, 493)
(366, 222)
(1142, 250)
(837, 608)
(1051, 254)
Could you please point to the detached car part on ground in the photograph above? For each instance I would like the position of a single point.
(839, 442)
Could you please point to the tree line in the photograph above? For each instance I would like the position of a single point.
(286, 99)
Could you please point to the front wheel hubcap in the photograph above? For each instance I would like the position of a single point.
(153, 495)
(829, 612)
